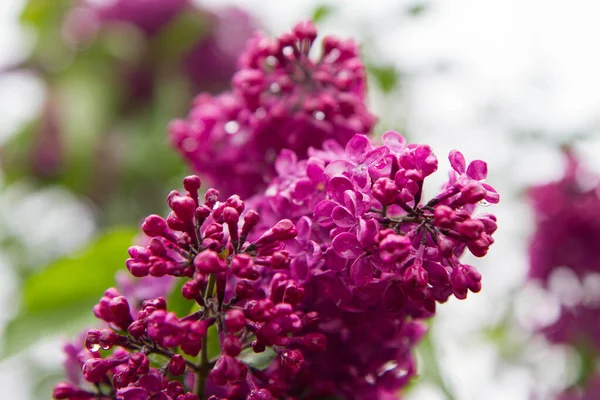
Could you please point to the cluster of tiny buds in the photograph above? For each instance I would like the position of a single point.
(241, 287)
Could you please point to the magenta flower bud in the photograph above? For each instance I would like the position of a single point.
(211, 197)
(192, 289)
(231, 346)
(120, 308)
(251, 219)
(394, 248)
(415, 276)
(472, 192)
(177, 365)
(385, 191)
(70, 392)
(139, 363)
(445, 245)
(139, 253)
(280, 260)
(244, 290)
(159, 303)
(208, 262)
(228, 370)
(137, 269)
(154, 226)
(260, 394)
(214, 231)
(175, 223)
(292, 360)
(281, 231)
(137, 329)
(192, 184)
(315, 341)
(444, 216)
(470, 229)
(259, 310)
(258, 347)
(235, 320)
(305, 30)
(231, 218)
(157, 248)
(95, 369)
(459, 283)
(184, 207)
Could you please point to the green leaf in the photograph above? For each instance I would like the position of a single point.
(386, 77)
(417, 9)
(214, 344)
(179, 304)
(81, 278)
(60, 297)
(322, 12)
(258, 360)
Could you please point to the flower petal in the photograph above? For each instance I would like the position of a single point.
(346, 245)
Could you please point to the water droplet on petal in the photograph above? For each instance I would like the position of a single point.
(319, 115)
(106, 347)
(484, 203)
(287, 50)
(275, 87)
(94, 347)
(232, 127)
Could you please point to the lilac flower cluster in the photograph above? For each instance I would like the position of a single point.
(281, 98)
(329, 281)
(373, 257)
(240, 286)
(567, 240)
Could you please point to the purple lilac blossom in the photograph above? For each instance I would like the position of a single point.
(374, 259)
(281, 98)
(242, 287)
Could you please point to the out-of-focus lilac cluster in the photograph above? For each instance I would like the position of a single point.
(241, 287)
(208, 62)
(281, 98)
(565, 256)
(373, 256)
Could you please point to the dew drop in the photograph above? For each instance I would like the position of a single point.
(94, 347)
(232, 127)
(370, 379)
(287, 50)
(483, 203)
(275, 87)
(105, 347)
(271, 61)
(319, 115)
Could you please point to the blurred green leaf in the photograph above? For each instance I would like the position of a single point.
(386, 77)
(214, 344)
(322, 12)
(81, 278)
(179, 304)
(258, 360)
(417, 9)
(60, 297)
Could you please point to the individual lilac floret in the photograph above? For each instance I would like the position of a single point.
(281, 98)
(240, 286)
(376, 255)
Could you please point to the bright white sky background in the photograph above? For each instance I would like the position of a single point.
(477, 73)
